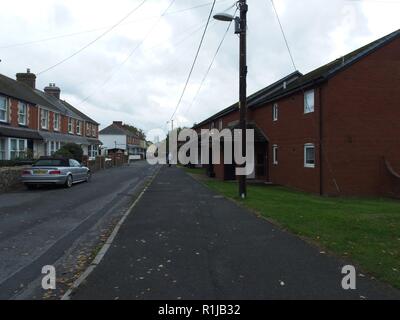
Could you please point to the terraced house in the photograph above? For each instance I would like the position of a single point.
(333, 131)
(36, 123)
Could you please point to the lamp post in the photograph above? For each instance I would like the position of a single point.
(241, 29)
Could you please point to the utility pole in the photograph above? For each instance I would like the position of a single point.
(243, 7)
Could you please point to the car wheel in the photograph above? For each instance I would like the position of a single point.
(88, 176)
(31, 186)
(68, 182)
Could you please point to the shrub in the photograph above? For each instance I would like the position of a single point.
(71, 150)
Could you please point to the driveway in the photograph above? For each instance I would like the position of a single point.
(40, 227)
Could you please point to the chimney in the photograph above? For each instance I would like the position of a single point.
(52, 90)
(118, 123)
(28, 78)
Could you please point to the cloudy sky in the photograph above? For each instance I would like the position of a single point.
(136, 72)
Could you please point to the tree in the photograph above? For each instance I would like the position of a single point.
(71, 150)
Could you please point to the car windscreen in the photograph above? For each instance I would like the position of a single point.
(51, 163)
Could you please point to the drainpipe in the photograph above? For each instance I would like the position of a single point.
(321, 159)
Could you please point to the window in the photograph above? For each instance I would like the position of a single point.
(44, 119)
(74, 163)
(94, 131)
(275, 112)
(17, 148)
(212, 125)
(2, 149)
(70, 126)
(93, 151)
(53, 146)
(78, 127)
(309, 101)
(56, 122)
(3, 109)
(275, 154)
(309, 155)
(88, 130)
(22, 111)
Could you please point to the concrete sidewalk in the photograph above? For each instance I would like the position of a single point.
(183, 241)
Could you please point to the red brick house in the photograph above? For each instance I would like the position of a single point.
(36, 123)
(333, 131)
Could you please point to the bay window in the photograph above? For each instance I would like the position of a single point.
(93, 151)
(44, 119)
(18, 148)
(3, 109)
(2, 149)
(56, 122)
(22, 112)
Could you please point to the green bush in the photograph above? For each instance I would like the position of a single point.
(71, 150)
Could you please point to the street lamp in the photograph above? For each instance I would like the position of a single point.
(241, 29)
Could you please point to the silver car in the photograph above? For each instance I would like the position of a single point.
(55, 171)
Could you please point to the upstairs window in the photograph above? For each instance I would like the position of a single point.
(56, 122)
(70, 126)
(78, 127)
(220, 125)
(275, 112)
(309, 100)
(309, 155)
(22, 112)
(3, 109)
(44, 119)
(94, 131)
(275, 155)
(88, 129)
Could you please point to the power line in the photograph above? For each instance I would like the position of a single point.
(283, 34)
(195, 60)
(129, 56)
(96, 39)
(27, 43)
(210, 66)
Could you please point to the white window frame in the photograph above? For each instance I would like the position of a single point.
(18, 150)
(42, 113)
(275, 112)
(306, 163)
(52, 147)
(93, 151)
(275, 155)
(23, 114)
(307, 107)
(78, 127)
(58, 117)
(70, 126)
(3, 149)
(94, 131)
(5, 110)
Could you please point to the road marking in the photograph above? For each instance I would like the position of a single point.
(96, 261)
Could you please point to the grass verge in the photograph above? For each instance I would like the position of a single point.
(366, 231)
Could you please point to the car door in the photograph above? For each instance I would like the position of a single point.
(75, 169)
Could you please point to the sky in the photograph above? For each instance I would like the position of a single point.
(136, 72)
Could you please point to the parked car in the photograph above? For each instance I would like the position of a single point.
(56, 171)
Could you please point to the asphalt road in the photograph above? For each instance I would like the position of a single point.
(183, 241)
(38, 227)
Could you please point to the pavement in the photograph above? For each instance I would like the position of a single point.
(184, 242)
(43, 226)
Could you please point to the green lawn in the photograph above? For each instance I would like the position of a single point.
(366, 231)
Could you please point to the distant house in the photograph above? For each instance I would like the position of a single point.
(36, 123)
(333, 131)
(118, 137)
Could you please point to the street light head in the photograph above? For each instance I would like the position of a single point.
(224, 17)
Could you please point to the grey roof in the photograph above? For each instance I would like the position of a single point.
(301, 82)
(113, 130)
(23, 133)
(53, 136)
(81, 114)
(21, 91)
